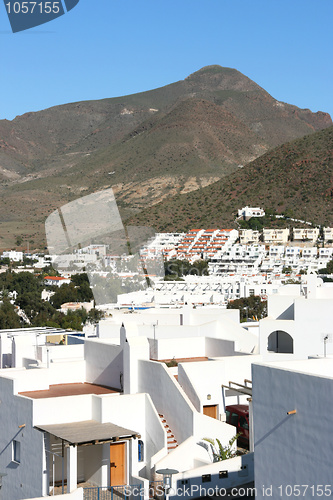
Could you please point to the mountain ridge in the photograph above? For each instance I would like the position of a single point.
(147, 146)
(295, 178)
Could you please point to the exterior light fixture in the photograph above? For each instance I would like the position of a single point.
(209, 397)
(167, 475)
(292, 412)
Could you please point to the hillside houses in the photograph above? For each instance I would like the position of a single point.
(72, 409)
(248, 212)
(249, 256)
(67, 410)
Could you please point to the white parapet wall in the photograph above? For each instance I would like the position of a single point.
(40, 378)
(61, 410)
(218, 479)
(104, 362)
(189, 347)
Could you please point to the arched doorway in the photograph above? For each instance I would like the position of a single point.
(280, 341)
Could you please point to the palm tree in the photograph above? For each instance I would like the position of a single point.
(221, 452)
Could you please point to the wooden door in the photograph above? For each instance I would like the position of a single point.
(210, 411)
(117, 464)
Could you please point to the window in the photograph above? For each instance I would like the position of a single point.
(234, 419)
(243, 423)
(140, 451)
(16, 451)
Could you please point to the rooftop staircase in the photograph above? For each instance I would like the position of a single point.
(171, 440)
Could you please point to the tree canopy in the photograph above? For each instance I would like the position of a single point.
(249, 307)
(38, 312)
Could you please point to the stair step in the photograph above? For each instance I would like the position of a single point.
(173, 446)
(171, 440)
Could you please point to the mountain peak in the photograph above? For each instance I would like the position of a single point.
(221, 78)
(212, 69)
(169, 140)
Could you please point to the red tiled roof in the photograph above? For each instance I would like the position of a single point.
(54, 278)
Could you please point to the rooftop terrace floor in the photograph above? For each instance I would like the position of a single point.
(60, 390)
(182, 360)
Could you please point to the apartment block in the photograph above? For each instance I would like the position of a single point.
(278, 236)
(306, 234)
(247, 236)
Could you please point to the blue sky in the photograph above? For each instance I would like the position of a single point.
(107, 48)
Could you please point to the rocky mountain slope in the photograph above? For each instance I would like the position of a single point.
(294, 179)
(147, 146)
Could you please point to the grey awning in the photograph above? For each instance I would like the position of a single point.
(88, 432)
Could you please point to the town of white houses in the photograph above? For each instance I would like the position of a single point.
(199, 366)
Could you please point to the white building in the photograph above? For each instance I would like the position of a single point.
(328, 233)
(298, 321)
(276, 236)
(325, 255)
(67, 414)
(310, 253)
(247, 236)
(306, 234)
(56, 281)
(238, 259)
(13, 255)
(248, 212)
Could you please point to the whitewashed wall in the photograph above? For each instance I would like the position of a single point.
(168, 397)
(156, 439)
(292, 449)
(203, 378)
(190, 347)
(104, 363)
(135, 348)
(219, 347)
(37, 379)
(60, 352)
(311, 319)
(185, 380)
(240, 472)
(23, 347)
(137, 413)
(281, 306)
(62, 410)
(23, 480)
(5, 351)
(65, 372)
